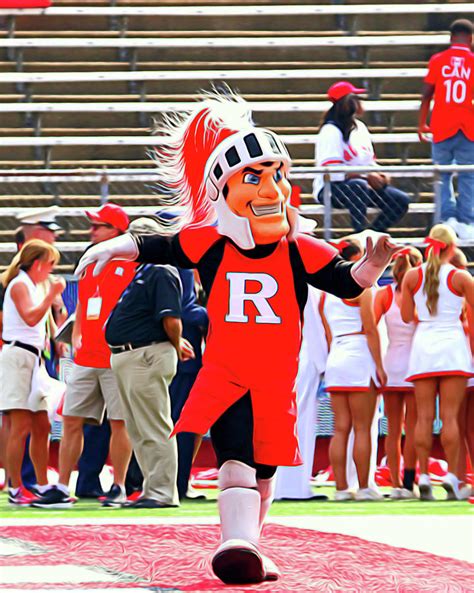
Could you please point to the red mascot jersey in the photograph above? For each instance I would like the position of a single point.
(256, 299)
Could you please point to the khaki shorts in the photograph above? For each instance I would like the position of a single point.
(18, 391)
(89, 391)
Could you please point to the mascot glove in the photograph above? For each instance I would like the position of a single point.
(377, 256)
(121, 247)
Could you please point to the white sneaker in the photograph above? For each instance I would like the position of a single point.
(453, 223)
(343, 495)
(368, 494)
(406, 494)
(395, 493)
(465, 231)
(451, 485)
(466, 492)
(424, 486)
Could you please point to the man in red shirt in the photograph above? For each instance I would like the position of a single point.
(450, 82)
(92, 387)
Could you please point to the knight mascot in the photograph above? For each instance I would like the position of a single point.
(240, 232)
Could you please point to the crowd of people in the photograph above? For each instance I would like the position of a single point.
(263, 274)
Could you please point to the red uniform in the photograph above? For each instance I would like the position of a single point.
(452, 74)
(98, 295)
(256, 299)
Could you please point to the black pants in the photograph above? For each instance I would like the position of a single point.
(232, 437)
(356, 195)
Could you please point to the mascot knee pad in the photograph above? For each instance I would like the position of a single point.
(235, 474)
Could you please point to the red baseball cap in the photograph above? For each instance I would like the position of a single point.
(112, 215)
(340, 89)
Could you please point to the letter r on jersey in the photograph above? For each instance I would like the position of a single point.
(238, 296)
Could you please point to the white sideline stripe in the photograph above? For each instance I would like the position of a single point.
(59, 573)
(155, 106)
(305, 73)
(450, 536)
(247, 42)
(283, 10)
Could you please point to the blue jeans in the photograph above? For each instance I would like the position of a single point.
(457, 150)
(356, 195)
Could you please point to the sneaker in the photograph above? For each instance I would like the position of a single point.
(395, 493)
(465, 231)
(193, 494)
(368, 494)
(54, 498)
(451, 485)
(148, 503)
(466, 492)
(424, 486)
(22, 498)
(343, 495)
(406, 494)
(115, 497)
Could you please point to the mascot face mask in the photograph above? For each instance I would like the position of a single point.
(260, 193)
(222, 169)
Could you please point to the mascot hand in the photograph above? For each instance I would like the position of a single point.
(377, 256)
(122, 247)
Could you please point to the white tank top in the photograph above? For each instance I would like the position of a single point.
(450, 304)
(14, 327)
(398, 331)
(343, 318)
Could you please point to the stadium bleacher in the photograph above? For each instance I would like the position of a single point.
(82, 85)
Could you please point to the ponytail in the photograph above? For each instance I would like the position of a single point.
(431, 287)
(12, 271)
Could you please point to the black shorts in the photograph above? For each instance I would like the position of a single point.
(232, 437)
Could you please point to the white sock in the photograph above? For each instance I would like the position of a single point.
(453, 477)
(63, 488)
(42, 488)
(14, 491)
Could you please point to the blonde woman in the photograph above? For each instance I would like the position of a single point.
(25, 311)
(440, 359)
(398, 394)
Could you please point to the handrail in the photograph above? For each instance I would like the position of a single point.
(245, 10)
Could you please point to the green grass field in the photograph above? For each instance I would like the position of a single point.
(85, 509)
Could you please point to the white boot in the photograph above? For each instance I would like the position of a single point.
(237, 560)
(266, 489)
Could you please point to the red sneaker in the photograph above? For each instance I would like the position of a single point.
(23, 498)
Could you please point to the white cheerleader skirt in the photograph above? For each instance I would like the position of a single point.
(350, 366)
(439, 350)
(396, 363)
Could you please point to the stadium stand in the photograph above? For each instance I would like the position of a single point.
(81, 86)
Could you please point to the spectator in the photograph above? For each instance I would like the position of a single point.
(92, 386)
(399, 398)
(26, 310)
(40, 223)
(440, 358)
(354, 370)
(194, 319)
(344, 140)
(450, 81)
(144, 333)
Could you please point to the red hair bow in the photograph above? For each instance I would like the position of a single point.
(402, 253)
(434, 244)
(340, 246)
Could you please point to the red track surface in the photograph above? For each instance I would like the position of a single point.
(177, 558)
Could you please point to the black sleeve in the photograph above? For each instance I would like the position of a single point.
(166, 293)
(2, 296)
(156, 249)
(336, 278)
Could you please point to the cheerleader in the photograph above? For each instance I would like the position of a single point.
(440, 360)
(466, 413)
(25, 312)
(354, 370)
(399, 400)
